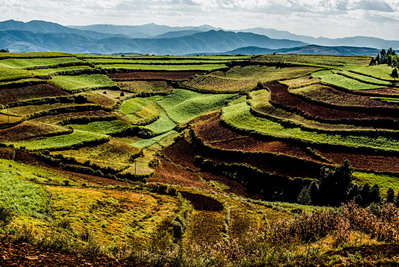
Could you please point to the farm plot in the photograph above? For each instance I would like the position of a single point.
(239, 79)
(77, 138)
(382, 71)
(15, 95)
(182, 105)
(10, 74)
(140, 110)
(99, 61)
(155, 75)
(104, 127)
(329, 96)
(141, 67)
(36, 63)
(372, 161)
(216, 135)
(238, 116)
(146, 87)
(282, 98)
(260, 104)
(340, 62)
(29, 130)
(33, 111)
(114, 154)
(303, 81)
(71, 70)
(67, 117)
(335, 79)
(83, 82)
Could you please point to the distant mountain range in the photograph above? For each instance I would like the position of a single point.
(38, 36)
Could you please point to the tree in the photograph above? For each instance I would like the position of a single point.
(365, 194)
(390, 195)
(4, 51)
(375, 196)
(389, 60)
(335, 184)
(373, 62)
(309, 194)
(394, 73)
(390, 52)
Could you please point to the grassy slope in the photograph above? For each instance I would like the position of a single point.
(61, 141)
(184, 105)
(83, 82)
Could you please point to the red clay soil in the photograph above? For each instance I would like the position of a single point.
(24, 254)
(332, 95)
(212, 130)
(183, 153)
(170, 173)
(280, 95)
(14, 95)
(385, 91)
(215, 134)
(377, 162)
(78, 114)
(155, 75)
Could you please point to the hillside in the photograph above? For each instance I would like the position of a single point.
(212, 41)
(133, 160)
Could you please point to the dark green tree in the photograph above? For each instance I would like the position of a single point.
(365, 194)
(394, 73)
(375, 196)
(334, 184)
(390, 195)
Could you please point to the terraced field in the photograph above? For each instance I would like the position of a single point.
(196, 161)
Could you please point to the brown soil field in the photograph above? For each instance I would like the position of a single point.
(154, 75)
(332, 96)
(14, 95)
(215, 134)
(183, 153)
(280, 95)
(212, 130)
(202, 202)
(29, 131)
(386, 91)
(75, 115)
(169, 173)
(377, 162)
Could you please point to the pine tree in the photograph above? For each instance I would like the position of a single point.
(394, 73)
(365, 194)
(375, 196)
(390, 195)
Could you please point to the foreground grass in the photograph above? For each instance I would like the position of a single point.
(20, 196)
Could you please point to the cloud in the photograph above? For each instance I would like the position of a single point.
(376, 5)
(331, 18)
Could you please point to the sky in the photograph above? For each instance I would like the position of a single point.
(327, 18)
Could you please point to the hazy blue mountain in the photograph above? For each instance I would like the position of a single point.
(38, 26)
(308, 50)
(175, 34)
(24, 41)
(211, 41)
(141, 31)
(357, 41)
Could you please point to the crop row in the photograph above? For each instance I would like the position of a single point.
(239, 117)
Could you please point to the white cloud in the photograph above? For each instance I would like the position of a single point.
(331, 18)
